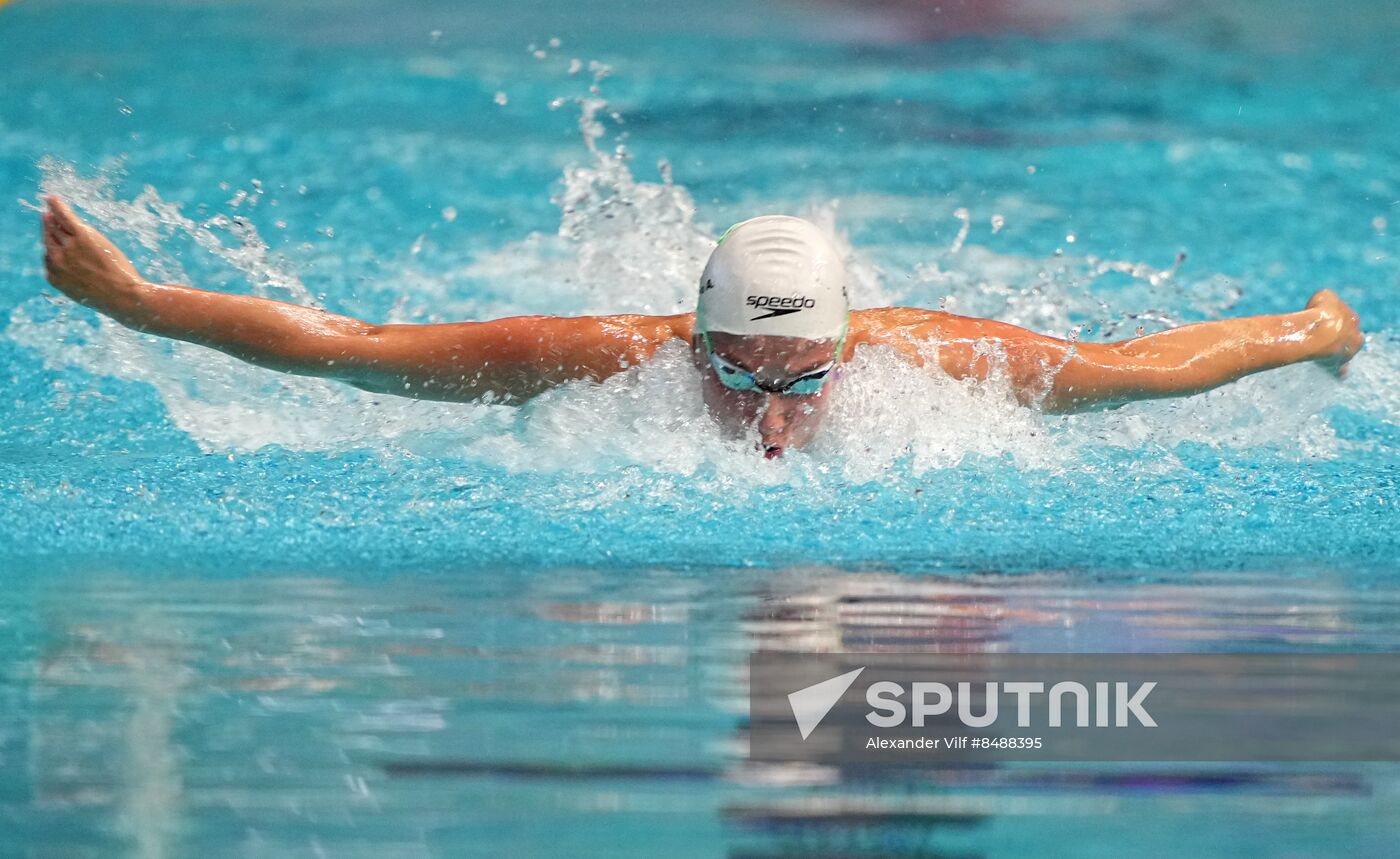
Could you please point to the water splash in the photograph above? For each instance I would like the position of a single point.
(1060, 294)
(626, 245)
(151, 221)
(222, 403)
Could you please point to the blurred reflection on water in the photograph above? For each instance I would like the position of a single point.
(441, 717)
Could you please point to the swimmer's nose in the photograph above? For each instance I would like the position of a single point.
(773, 424)
(773, 418)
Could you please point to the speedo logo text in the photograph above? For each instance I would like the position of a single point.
(779, 305)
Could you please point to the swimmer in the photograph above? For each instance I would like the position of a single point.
(771, 328)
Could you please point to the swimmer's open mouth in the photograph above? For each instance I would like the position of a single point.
(772, 451)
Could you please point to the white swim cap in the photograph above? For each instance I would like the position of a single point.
(774, 275)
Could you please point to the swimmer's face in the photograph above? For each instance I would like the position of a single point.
(782, 420)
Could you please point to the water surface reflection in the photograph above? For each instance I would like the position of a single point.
(606, 711)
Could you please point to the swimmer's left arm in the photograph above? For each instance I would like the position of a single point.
(1062, 376)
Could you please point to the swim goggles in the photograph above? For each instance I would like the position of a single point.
(736, 378)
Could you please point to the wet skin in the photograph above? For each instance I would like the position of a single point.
(782, 420)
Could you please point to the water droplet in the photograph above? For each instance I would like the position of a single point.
(554, 42)
(966, 218)
(449, 214)
(502, 99)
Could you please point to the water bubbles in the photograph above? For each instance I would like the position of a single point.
(600, 71)
(501, 98)
(966, 219)
(251, 197)
(997, 223)
(449, 214)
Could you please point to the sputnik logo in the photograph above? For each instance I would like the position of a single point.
(810, 705)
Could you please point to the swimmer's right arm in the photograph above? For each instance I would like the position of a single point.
(507, 360)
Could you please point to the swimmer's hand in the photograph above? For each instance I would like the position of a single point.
(1337, 331)
(85, 264)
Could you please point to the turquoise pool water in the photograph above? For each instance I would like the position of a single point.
(255, 616)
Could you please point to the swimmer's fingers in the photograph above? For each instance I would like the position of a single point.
(54, 235)
(52, 243)
(63, 216)
(56, 252)
(53, 258)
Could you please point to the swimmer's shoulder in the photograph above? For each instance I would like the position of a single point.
(655, 330)
(680, 326)
(901, 325)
